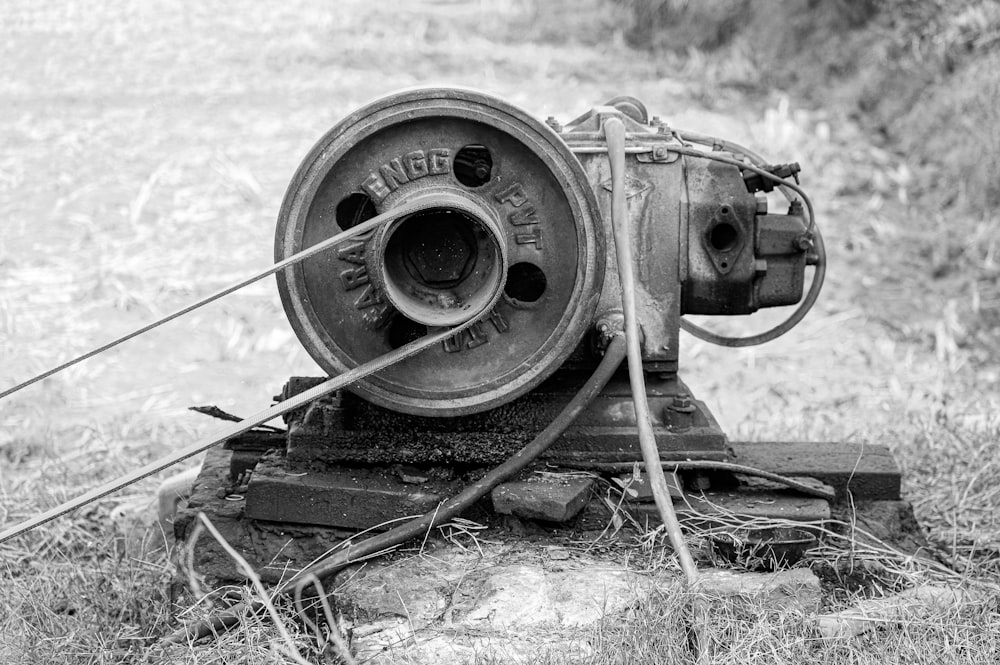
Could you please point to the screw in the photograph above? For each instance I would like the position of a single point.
(553, 123)
(660, 152)
(804, 242)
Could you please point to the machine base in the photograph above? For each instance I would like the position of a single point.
(282, 544)
(346, 429)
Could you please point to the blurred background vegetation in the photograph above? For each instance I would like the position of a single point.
(147, 145)
(919, 77)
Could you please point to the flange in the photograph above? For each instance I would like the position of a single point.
(499, 191)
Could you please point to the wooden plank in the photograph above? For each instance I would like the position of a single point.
(866, 471)
(345, 497)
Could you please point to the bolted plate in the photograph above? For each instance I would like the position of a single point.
(510, 168)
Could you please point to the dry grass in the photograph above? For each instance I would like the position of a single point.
(147, 148)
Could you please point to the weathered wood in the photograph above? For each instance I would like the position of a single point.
(274, 550)
(866, 471)
(345, 497)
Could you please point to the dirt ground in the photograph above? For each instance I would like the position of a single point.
(146, 148)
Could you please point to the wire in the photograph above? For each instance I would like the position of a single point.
(613, 357)
(710, 465)
(373, 223)
(614, 131)
(336, 383)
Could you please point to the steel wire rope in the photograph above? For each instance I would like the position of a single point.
(335, 383)
(338, 382)
(614, 132)
(294, 259)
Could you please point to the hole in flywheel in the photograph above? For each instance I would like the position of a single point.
(525, 282)
(354, 209)
(473, 165)
(402, 331)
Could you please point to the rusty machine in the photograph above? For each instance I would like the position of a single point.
(485, 239)
(471, 279)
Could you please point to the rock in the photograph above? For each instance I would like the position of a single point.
(171, 492)
(448, 607)
(557, 553)
(795, 590)
(417, 589)
(524, 595)
(917, 603)
(137, 530)
(411, 474)
(383, 637)
(548, 498)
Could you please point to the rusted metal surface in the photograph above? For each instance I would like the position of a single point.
(348, 429)
(702, 242)
(505, 194)
(507, 167)
(505, 201)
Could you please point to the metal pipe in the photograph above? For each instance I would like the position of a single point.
(614, 131)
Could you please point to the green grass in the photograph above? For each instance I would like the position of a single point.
(147, 147)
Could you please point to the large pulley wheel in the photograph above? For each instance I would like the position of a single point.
(503, 214)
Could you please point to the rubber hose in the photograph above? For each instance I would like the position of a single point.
(614, 133)
(613, 357)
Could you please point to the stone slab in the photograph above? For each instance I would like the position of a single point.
(919, 604)
(552, 498)
(797, 589)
